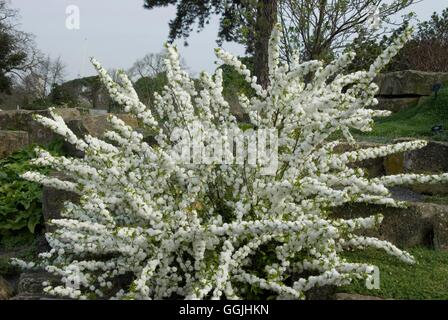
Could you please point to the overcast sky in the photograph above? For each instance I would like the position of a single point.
(117, 32)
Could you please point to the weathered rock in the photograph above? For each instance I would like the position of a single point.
(428, 160)
(373, 167)
(98, 112)
(354, 296)
(94, 125)
(31, 283)
(396, 104)
(421, 224)
(41, 243)
(68, 113)
(12, 141)
(22, 120)
(405, 194)
(6, 290)
(31, 286)
(431, 159)
(409, 83)
(53, 201)
(81, 124)
(97, 125)
(440, 225)
(321, 293)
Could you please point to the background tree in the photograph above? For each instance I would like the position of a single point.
(46, 75)
(249, 22)
(320, 28)
(428, 50)
(368, 48)
(148, 66)
(148, 75)
(62, 95)
(17, 51)
(37, 85)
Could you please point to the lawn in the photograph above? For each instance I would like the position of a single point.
(427, 279)
(415, 121)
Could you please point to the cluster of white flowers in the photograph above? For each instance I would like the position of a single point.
(148, 227)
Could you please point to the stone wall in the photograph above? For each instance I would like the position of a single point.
(12, 141)
(402, 89)
(18, 129)
(431, 159)
(419, 224)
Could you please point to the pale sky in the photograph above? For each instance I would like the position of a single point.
(117, 32)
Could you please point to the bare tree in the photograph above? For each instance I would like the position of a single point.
(43, 78)
(6, 13)
(143, 69)
(318, 28)
(148, 66)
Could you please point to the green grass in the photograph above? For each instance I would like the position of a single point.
(415, 121)
(437, 199)
(427, 279)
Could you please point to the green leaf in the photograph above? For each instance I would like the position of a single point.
(21, 200)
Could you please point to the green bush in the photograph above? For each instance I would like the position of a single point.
(21, 200)
(147, 86)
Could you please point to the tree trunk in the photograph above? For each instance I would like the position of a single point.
(266, 20)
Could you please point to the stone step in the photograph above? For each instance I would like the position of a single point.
(354, 296)
(22, 120)
(431, 159)
(420, 224)
(31, 283)
(53, 201)
(6, 289)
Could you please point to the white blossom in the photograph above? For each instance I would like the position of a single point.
(195, 230)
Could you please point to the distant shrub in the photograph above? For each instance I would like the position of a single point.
(427, 51)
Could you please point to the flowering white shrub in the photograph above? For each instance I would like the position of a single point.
(199, 231)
